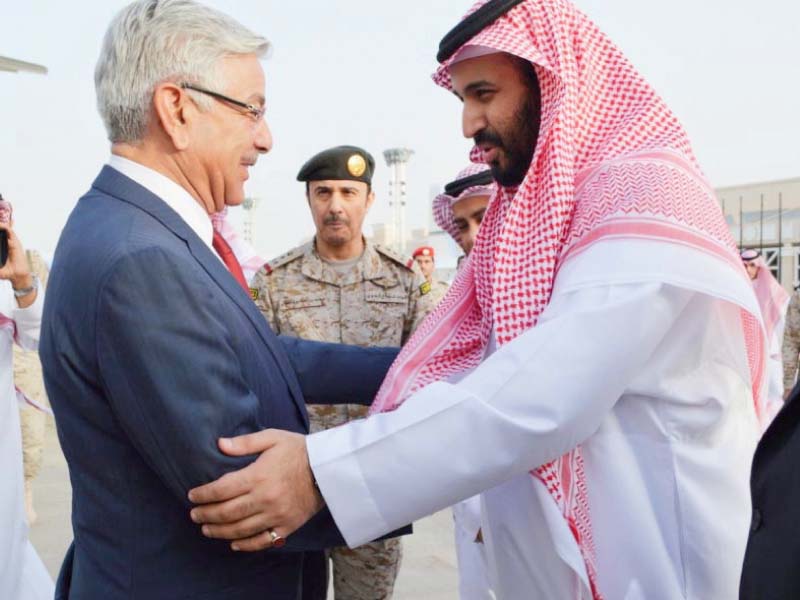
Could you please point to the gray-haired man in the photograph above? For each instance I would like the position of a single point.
(153, 348)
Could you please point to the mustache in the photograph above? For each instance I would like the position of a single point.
(487, 136)
(335, 219)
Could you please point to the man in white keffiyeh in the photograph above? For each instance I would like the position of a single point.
(459, 211)
(596, 370)
(774, 302)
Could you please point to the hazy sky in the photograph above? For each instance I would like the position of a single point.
(358, 72)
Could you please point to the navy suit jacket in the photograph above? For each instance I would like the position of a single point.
(151, 352)
(771, 560)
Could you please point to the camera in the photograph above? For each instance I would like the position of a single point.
(5, 217)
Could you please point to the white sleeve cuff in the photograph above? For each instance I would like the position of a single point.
(343, 487)
(29, 321)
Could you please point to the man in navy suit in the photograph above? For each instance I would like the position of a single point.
(152, 348)
(770, 561)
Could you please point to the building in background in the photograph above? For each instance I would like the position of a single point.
(766, 216)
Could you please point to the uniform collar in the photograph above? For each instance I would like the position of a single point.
(370, 266)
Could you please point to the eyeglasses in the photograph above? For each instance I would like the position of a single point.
(256, 112)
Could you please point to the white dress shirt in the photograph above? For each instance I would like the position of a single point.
(176, 197)
(650, 377)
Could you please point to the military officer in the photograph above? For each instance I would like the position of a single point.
(342, 288)
(425, 257)
(791, 344)
(28, 379)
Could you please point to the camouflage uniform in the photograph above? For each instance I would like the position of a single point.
(28, 378)
(378, 301)
(438, 290)
(791, 343)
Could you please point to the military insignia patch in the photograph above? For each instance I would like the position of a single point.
(356, 165)
(425, 288)
(254, 294)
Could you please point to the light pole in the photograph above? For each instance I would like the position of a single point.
(397, 159)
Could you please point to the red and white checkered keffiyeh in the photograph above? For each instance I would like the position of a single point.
(443, 203)
(611, 162)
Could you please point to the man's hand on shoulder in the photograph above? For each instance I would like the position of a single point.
(277, 492)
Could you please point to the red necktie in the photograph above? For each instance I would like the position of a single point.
(229, 258)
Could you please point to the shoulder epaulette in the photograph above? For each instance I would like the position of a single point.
(404, 261)
(285, 259)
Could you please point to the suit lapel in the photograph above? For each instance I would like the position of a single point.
(114, 183)
(220, 274)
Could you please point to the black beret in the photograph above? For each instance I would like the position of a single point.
(339, 163)
(472, 26)
(454, 188)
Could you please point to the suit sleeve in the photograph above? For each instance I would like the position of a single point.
(169, 368)
(335, 373)
(173, 378)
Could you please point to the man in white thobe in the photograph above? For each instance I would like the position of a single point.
(597, 370)
(773, 301)
(22, 574)
(459, 211)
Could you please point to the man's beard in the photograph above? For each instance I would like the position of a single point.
(517, 144)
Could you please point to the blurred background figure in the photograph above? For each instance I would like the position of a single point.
(30, 385)
(425, 257)
(23, 576)
(773, 301)
(791, 345)
(459, 211)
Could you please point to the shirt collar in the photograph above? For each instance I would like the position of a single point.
(176, 197)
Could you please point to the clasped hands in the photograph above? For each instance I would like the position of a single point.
(274, 493)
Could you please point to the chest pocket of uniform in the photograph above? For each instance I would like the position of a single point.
(384, 315)
(303, 317)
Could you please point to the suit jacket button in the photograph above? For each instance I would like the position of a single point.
(755, 524)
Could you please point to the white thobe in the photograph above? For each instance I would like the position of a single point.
(23, 576)
(775, 362)
(651, 379)
(473, 572)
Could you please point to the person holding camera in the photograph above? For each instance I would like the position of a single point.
(23, 576)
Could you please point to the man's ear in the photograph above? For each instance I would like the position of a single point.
(174, 109)
(370, 198)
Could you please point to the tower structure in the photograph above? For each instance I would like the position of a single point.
(397, 160)
(249, 205)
